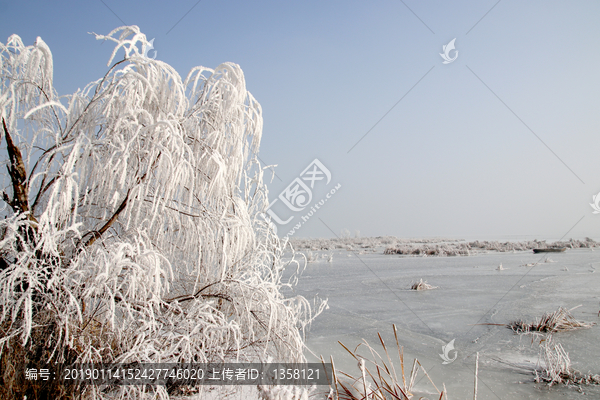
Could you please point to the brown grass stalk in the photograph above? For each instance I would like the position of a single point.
(378, 378)
(560, 320)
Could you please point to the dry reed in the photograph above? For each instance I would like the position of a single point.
(378, 377)
(558, 367)
(560, 320)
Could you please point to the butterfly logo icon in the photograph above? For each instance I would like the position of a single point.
(447, 48)
(149, 47)
(447, 349)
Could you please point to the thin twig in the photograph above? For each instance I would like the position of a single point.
(476, 376)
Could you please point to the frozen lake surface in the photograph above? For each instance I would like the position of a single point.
(369, 292)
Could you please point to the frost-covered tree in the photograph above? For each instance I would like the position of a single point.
(132, 230)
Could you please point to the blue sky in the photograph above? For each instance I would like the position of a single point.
(458, 156)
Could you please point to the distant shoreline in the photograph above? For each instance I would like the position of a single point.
(440, 247)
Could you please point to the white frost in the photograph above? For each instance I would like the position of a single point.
(187, 271)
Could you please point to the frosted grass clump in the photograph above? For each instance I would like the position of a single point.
(134, 229)
(557, 367)
(560, 320)
(421, 285)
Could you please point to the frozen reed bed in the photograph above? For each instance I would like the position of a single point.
(557, 368)
(344, 243)
(560, 320)
(360, 243)
(554, 365)
(462, 248)
(441, 250)
(440, 247)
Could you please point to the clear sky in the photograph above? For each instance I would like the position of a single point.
(503, 141)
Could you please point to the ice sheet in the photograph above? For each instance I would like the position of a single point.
(369, 292)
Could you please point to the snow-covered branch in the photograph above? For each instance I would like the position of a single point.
(146, 193)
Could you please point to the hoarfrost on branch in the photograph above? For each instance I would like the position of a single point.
(142, 240)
